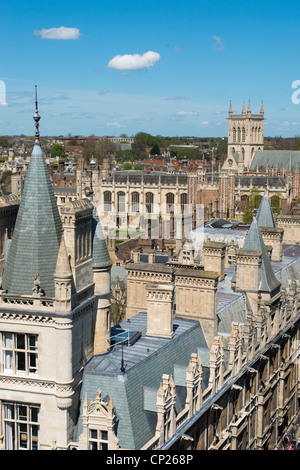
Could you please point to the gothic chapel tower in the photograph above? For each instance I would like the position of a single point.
(49, 314)
(245, 135)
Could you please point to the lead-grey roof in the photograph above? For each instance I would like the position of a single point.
(232, 306)
(254, 242)
(276, 159)
(146, 362)
(265, 217)
(37, 234)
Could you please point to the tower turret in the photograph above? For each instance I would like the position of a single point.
(63, 280)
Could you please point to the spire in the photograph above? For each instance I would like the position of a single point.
(265, 217)
(63, 268)
(230, 108)
(38, 230)
(254, 241)
(249, 108)
(262, 108)
(243, 110)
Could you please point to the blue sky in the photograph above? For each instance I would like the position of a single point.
(163, 67)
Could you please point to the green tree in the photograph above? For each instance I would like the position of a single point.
(127, 166)
(221, 152)
(73, 141)
(138, 166)
(190, 153)
(296, 145)
(140, 149)
(126, 155)
(4, 141)
(252, 203)
(275, 203)
(155, 150)
(147, 139)
(57, 150)
(99, 149)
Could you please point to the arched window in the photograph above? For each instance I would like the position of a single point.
(107, 201)
(135, 202)
(239, 134)
(234, 134)
(170, 202)
(243, 135)
(149, 202)
(121, 201)
(183, 201)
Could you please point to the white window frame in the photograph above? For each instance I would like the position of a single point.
(14, 354)
(21, 426)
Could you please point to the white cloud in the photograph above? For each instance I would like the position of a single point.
(204, 123)
(58, 33)
(134, 61)
(218, 44)
(185, 113)
(113, 124)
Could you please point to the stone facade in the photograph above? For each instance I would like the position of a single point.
(245, 137)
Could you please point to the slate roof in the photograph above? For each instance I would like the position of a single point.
(37, 234)
(276, 158)
(247, 181)
(153, 178)
(232, 306)
(254, 242)
(265, 217)
(145, 361)
(259, 181)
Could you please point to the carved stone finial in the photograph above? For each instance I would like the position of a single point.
(36, 289)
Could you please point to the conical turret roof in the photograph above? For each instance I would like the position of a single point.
(38, 230)
(63, 268)
(254, 241)
(265, 217)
